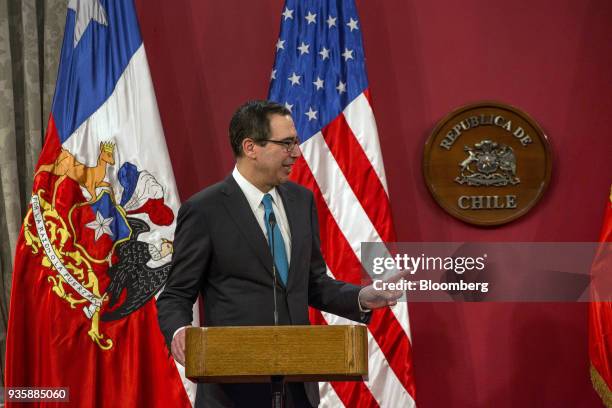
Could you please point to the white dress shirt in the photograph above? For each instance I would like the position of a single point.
(254, 197)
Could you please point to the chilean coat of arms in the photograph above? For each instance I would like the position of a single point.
(488, 164)
(90, 245)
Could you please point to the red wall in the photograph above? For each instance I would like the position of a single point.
(550, 59)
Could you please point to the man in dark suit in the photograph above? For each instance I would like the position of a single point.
(223, 251)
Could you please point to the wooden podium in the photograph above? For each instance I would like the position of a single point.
(265, 353)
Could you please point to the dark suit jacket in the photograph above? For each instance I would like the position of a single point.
(221, 252)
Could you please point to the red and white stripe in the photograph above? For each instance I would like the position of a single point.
(343, 166)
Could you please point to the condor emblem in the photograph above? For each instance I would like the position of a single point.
(487, 163)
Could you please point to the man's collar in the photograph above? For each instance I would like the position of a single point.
(252, 193)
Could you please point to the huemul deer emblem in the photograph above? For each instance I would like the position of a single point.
(90, 178)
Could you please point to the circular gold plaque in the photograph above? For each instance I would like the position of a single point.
(487, 163)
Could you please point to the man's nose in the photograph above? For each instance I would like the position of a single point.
(296, 151)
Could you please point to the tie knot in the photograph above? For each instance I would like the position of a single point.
(267, 202)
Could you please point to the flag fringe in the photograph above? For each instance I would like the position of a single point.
(601, 387)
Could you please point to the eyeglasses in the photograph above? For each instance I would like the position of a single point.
(289, 145)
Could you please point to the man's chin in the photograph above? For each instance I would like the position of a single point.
(284, 177)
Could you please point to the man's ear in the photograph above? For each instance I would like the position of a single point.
(248, 147)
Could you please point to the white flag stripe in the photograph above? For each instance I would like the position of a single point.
(328, 396)
(130, 118)
(338, 195)
(400, 310)
(360, 118)
(384, 385)
(344, 205)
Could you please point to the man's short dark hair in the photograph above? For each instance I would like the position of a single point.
(252, 120)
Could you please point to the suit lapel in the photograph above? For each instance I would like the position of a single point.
(240, 211)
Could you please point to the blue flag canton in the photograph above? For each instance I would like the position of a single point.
(320, 66)
(100, 38)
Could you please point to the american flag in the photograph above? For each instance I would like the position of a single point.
(319, 75)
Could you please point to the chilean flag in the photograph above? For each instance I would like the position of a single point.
(104, 161)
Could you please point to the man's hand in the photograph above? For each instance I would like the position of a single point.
(370, 298)
(178, 346)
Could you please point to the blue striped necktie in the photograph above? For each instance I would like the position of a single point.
(280, 255)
